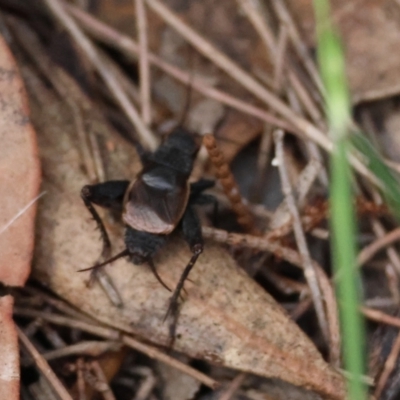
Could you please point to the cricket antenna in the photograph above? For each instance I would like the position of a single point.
(109, 261)
(189, 90)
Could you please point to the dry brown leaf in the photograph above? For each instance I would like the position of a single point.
(19, 184)
(226, 319)
(370, 32)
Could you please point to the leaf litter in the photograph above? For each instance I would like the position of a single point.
(226, 319)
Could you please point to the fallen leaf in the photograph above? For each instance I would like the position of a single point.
(226, 318)
(19, 184)
(370, 33)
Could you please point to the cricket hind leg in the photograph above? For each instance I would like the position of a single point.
(191, 230)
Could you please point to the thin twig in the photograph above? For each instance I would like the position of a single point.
(238, 74)
(102, 384)
(391, 252)
(112, 334)
(309, 271)
(147, 385)
(257, 16)
(92, 348)
(152, 352)
(233, 386)
(388, 367)
(144, 68)
(301, 49)
(147, 137)
(80, 381)
(44, 367)
(369, 251)
(126, 45)
(380, 316)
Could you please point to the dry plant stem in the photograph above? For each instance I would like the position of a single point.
(309, 130)
(105, 391)
(144, 67)
(388, 367)
(380, 232)
(112, 334)
(266, 139)
(233, 387)
(393, 282)
(231, 189)
(292, 256)
(309, 271)
(301, 308)
(88, 144)
(256, 14)
(44, 367)
(126, 45)
(30, 43)
(300, 47)
(130, 88)
(148, 384)
(80, 381)
(90, 348)
(158, 355)
(60, 305)
(379, 316)
(53, 337)
(303, 186)
(237, 73)
(146, 136)
(285, 285)
(369, 251)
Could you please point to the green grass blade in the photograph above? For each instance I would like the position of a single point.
(331, 62)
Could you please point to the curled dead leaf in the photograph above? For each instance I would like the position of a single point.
(19, 184)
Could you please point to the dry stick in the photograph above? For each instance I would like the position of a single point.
(152, 352)
(61, 305)
(369, 251)
(388, 367)
(380, 316)
(144, 67)
(92, 348)
(113, 334)
(309, 271)
(238, 74)
(130, 88)
(255, 13)
(147, 385)
(233, 387)
(301, 49)
(292, 256)
(44, 367)
(280, 221)
(146, 136)
(126, 45)
(394, 258)
(247, 81)
(80, 381)
(31, 45)
(101, 378)
(229, 185)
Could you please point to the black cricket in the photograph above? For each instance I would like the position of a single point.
(159, 201)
